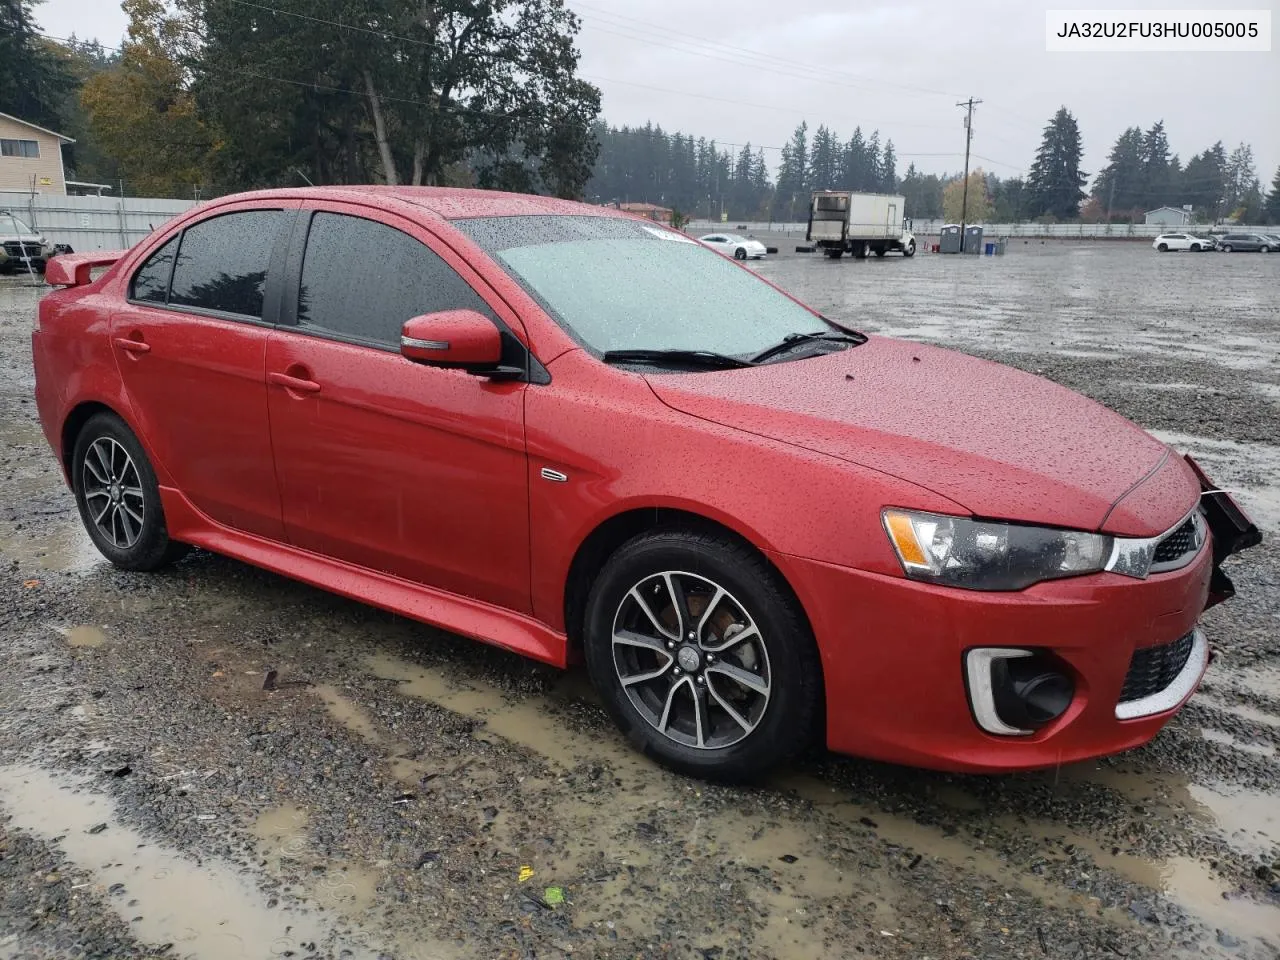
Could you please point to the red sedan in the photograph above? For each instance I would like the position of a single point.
(576, 434)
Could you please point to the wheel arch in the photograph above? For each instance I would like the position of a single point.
(74, 422)
(612, 532)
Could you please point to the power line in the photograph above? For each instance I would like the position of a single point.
(632, 23)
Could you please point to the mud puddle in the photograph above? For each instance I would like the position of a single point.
(347, 887)
(207, 911)
(65, 548)
(84, 636)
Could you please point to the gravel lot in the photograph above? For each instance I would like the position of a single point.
(401, 792)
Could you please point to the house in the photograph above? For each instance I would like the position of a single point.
(31, 157)
(1169, 216)
(650, 211)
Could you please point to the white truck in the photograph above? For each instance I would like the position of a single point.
(841, 221)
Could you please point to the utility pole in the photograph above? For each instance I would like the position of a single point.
(968, 138)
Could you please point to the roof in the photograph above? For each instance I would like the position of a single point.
(34, 126)
(1177, 210)
(448, 203)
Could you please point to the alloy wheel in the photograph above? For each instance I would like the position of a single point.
(113, 492)
(691, 659)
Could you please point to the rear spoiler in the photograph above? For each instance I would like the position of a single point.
(74, 269)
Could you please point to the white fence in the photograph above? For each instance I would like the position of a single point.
(1057, 231)
(90, 223)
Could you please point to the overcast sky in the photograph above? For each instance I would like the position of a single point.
(752, 69)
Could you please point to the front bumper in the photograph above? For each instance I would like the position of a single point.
(893, 654)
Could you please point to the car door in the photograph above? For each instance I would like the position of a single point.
(191, 347)
(415, 471)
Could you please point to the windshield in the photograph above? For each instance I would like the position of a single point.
(11, 223)
(616, 284)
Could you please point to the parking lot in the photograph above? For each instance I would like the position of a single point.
(215, 762)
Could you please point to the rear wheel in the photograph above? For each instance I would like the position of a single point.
(714, 673)
(879, 251)
(833, 253)
(118, 497)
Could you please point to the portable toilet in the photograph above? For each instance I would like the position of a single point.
(973, 239)
(949, 241)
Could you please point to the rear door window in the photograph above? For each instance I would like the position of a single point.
(361, 280)
(222, 262)
(151, 283)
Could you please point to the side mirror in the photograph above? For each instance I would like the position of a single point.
(454, 338)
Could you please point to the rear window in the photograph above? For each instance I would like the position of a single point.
(222, 262)
(151, 283)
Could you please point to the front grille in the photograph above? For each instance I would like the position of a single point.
(1177, 544)
(1153, 668)
(15, 249)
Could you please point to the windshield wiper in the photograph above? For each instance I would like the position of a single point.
(700, 358)
(793, 339)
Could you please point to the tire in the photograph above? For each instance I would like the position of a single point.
(740, 254)
(114, 484)
(744, 729)
(1226, 248)
(879, 251)
(1195, 248)
(1163, 248)
(860, 253)
(909, 250)
(833, 254)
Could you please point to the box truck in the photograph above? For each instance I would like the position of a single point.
(841, 221)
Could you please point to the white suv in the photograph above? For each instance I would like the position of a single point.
(1180, 241)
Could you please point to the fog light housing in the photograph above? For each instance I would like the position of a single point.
(1014, 692)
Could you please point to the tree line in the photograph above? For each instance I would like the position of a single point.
(289, 92)
(210, 96)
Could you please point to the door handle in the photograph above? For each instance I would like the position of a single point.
(133, 346)
(293, 383)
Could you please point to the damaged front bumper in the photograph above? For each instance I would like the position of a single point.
(1231, 530)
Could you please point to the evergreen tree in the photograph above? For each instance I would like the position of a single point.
(1204, 181)
(1119, 185)
(824, 160)
(888, 169)
(1055, 181)
(1241, 179)
(792, 194)
(874, 173)
(33, 78)
(1273, 200)
(853, 172)
(1155, 168)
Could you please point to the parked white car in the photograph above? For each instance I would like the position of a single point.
(740, 248)
(1180, 241)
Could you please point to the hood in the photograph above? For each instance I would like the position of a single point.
(9, 235)
(1002, 443)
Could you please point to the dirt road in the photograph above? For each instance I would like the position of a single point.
(400, 792)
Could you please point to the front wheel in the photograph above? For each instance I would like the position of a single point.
(740, 254)
(1163, 248)
(713, 673)
(909, 250)
(1226, 248)
(119, 498)
(1195, 248)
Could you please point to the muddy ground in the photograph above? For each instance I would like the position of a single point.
(404, 793)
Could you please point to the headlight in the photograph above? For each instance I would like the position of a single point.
(979, 555)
